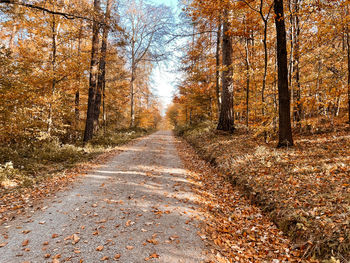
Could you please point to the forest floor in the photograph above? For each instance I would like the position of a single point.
(37, 169)
(304, 189)
(145, 204)
(136, 207)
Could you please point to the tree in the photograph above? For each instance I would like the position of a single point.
(101, 78)
(226, 118)
(217, 60)
(89, 126)
(285, 130)
(146, 27)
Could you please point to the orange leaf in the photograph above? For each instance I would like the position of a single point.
(99, 248)
(3, 244)
(25, 242)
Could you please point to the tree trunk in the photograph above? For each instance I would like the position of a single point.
(101, 81)
(348, 51)
(132, 98)
(77, 114)
(89, 126)
(77, 93)
(247, 79)
(291, 53)
(217, 58)
(275, 103)
(53, 63)
(285, 129)
(226, 119)
(264, 78)
(104, 114)
(296, 69)
(132, 88)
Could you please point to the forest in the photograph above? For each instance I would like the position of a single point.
(66, 91)
(259, 78)
(262, 95)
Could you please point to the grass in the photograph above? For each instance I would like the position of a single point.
(32, 162)
(304, 189)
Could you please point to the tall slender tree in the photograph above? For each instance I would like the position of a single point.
(217, 60)
(226, 117)
(89, 125)
(285, 130)
(101, 79)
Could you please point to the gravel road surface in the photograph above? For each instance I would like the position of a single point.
(138, 207)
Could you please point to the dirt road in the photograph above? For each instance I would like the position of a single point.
(136, 208)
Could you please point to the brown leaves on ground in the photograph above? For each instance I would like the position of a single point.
(99, 248)
(237, 230)
(3, 244)
(305, 189)
(14, 201)
(153, 240)
(25, 243)
(75, 238)
(153, 255)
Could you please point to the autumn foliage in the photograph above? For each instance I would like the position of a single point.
(302, 188)
(45, 65)
(318, 64)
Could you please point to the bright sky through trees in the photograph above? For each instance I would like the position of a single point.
(164, 76)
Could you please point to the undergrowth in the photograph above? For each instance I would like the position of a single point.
(26, 164)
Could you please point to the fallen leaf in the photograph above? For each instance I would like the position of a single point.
(75, 238)
(3, 244)
(99, 248)
(104, 258)
(54, 235)
(117, 256)
(154, 255)
(129, 223)
(25, 242)
(129, 247)
(153, 241)
(172, 238)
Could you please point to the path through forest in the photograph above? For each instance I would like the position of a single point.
(138, 207)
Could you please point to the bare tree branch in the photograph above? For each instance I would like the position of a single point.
(40, 8)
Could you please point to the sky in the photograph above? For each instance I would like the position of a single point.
(164, 76)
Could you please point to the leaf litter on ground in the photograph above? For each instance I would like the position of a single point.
(236, 230)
